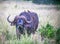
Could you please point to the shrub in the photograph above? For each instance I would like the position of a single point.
(47, 31)
(58, 36)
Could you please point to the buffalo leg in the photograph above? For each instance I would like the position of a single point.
(18, 34)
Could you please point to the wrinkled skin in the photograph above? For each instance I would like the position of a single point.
(26, 21)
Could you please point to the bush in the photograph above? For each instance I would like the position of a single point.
(58, 36)
(47, 31)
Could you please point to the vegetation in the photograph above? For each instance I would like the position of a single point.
(47, 31)
(46, 1)
(58, 36)
(24, 40)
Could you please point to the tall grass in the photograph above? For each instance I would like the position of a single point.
(24, 40)
(11, 38)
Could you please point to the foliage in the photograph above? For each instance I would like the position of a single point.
(58, 36)
(46, 1)
(47, 31)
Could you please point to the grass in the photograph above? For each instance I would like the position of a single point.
(23, 40)
(11, 38)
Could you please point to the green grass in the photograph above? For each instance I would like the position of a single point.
(23, 40)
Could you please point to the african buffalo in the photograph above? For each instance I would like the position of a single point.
(25, 21)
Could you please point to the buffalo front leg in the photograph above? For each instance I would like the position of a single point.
(18, 34)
